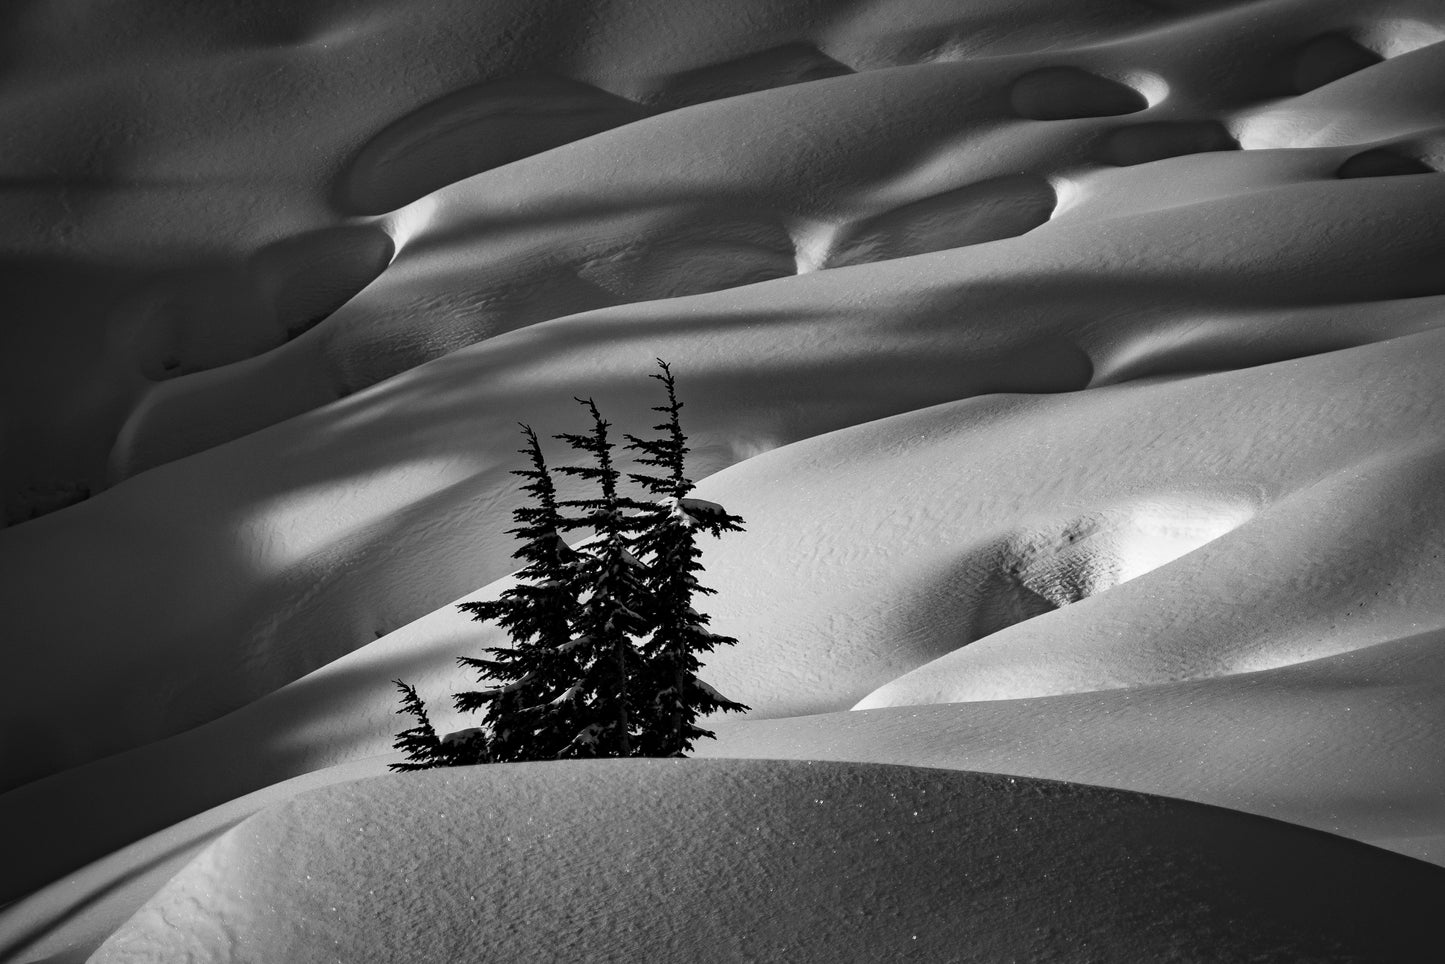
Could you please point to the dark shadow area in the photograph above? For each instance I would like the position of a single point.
(42, 498)
(1158, 140)
(784, 66)
(692, 252)
(1005, 601)
(1326, 59)
(160, 867)
(259, 744)
(309, 276)
(199, 26)
(193, 318)
(60, 183)
(1382, 162)
(208, 315)
(1188, 7)
(62, 395)
(940, 376)
(550, 290)
(473, 130)
(1004, 207)
(678, 250)
(1064, 93)
(126, 562)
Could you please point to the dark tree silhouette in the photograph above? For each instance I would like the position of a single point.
(604, 648)
(679, 633)
(424, 749)
(420, 743)
(528, 715)
(613, 611)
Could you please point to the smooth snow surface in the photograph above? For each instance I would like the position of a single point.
(1077, 369)
(700, 861)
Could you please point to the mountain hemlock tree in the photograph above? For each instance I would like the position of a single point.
(522, 719)
(424, 749)
(679, 632)
(528, 716)
(614, 611)
(604, 654)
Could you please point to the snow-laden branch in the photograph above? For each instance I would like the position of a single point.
(695, 512)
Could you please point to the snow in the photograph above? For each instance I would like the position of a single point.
(726, 860)
(696, 507)
(700, 684)
(1083, 405)
(696, 512)
(458, 737)
(511, 687)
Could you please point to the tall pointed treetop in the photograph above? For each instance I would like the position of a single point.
(669, 451)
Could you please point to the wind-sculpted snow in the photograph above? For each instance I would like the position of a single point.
(471, 131)
(748, 860)
(1062, 361)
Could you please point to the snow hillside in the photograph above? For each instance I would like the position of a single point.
(1077, 373)
(769, 860)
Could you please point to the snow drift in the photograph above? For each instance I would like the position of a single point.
(746, 860)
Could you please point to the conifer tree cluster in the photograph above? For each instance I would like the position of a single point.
(605, 642)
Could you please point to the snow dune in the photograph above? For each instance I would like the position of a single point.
(1077, 372)
(752, 860)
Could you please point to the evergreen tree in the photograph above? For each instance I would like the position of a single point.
(604, 650)
(679, 633)
(424, 749)
(420, 743)
(527, 716)
(613, 611)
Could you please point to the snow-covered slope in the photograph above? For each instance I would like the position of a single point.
(1077, 372)
(691, 861)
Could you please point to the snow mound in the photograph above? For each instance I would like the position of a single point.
(192, 320)
(1299, 743)
(783, 66)
(1382, 162)
(1004, 207)
(1327, 58)
(1157, 140)
(694, 861)
(63, 923)
(1049, 565)
(1064, 93)
(308, 276)
(1406, 89)
(474, 130)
